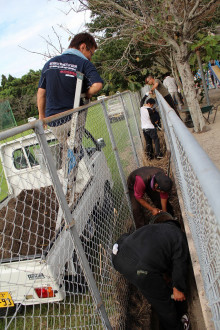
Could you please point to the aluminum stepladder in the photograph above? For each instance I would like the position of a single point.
(70, 167)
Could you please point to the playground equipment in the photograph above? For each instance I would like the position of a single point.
(213, 74)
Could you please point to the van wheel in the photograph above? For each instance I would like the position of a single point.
(108, 204)
(4, 312)
(76, 284)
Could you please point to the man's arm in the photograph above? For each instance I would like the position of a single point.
(153, 210)
(153, 88)
(41, 102)
(94, 89)
(164, 205)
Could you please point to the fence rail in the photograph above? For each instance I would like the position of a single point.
(67, 207)
(199, 184)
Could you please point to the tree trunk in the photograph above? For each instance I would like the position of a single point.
(190, 94)
(176, 76)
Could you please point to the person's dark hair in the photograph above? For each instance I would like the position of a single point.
(163, 181)
(149, 76)
(151, 101)
(143, 100)
(161, 217)
(165, 75)
(81, 38)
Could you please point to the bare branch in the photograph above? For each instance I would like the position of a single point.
(209, 6)
(190, 15)
(35, 52)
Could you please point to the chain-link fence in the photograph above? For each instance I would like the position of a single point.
(7, 119)
(64, 203)
(199, 187)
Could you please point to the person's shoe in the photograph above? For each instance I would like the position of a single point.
(159, 156)
(149, 156)
(185, 322)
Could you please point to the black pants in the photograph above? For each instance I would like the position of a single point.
(153, 287)
(151, 135)
(170, 101)
(138, 210)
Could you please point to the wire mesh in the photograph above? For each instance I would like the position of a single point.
(7, 119)
(194, 171)
(43, 282)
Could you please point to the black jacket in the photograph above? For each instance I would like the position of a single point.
(157, 248)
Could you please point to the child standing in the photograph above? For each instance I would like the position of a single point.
(149, 122)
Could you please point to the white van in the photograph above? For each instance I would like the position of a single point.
(27, 278)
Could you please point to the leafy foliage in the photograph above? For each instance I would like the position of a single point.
(209, 47)
(21, 93)
(121, 72)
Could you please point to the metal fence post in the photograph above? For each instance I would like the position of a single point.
(114, 147)
(129, 132)
(70, 221)
(136, 99)
(135, 119)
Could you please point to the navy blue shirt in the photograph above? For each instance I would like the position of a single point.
(59, 79)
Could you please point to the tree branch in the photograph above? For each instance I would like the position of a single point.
(205, 8)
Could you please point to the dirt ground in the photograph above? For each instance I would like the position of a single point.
(210, 140)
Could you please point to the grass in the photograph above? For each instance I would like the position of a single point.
(73, 312)
(3, 183)
(120, 132)
(3, 186)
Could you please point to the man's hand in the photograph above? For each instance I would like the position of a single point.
(178, 295)
(155, 211)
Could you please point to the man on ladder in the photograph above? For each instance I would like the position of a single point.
(63, 79)
(57, 85)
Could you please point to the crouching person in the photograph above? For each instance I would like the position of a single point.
(155, 258)
(153, 182)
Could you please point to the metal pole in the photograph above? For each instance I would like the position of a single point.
(71, 226)
(135, 119)
(203, 78)
(129, 132)
(115, 149)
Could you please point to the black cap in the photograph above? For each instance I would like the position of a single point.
(164, 182)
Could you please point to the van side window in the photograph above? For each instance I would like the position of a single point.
(19, 159)
(31, 156)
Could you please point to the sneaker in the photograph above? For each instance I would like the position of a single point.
(159, 157)
(185, 322)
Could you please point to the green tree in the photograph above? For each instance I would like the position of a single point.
(118, 72)
(4, 80)
(21, 93)
(165, 25)
(209, 47)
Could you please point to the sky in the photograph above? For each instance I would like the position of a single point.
(26, 23)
